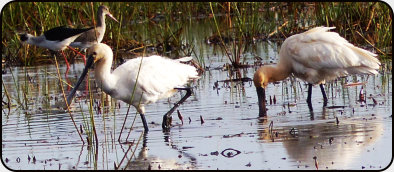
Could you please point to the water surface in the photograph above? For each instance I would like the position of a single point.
(231, 137)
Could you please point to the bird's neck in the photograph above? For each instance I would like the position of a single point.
(100, 19)
(277, 72)
(34, 40)
(104, 78)
(100, 27)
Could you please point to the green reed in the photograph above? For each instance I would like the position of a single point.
(7, 95)
(249, 20)
(18, 90)
(372, 21)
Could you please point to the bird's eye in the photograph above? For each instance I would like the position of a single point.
(23, 37)
(94, 53)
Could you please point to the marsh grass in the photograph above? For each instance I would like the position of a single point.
(160, 26)
(365, 24)
(8, 103)
(238, 25)
(162, 22)
(18, 96)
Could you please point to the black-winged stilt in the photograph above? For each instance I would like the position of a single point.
(55, 39)
(96, 34)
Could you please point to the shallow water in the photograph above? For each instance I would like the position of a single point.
(231, 137)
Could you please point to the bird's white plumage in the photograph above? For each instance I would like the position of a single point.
(318, 55)
(41, 41)
(315, 56)
(157, 77)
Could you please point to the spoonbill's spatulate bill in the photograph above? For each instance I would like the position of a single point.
(55, 39)
(315, 56)
(94, 35)
(157, 78)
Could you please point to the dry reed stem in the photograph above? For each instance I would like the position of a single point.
(65, 100)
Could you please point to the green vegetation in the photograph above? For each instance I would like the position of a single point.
(161, 24)
(162, 28)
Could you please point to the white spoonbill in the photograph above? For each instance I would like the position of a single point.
(157, 78)
(55, 39)
(315, 56)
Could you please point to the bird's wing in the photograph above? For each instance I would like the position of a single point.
(62, 32)
(319, 49)
(88, 36)
(157, 75)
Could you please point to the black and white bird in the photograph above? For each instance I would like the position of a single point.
(96, 34)
(55, 39)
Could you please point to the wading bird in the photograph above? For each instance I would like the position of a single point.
(55, 39)
(94, 35)
(139, 81)
(315, 56)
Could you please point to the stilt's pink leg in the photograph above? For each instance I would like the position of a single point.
(65, 58)
(83, 56)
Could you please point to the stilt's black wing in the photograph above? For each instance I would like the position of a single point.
(62, 32)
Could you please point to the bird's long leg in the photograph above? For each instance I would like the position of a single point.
(167, 117)
(84, 60)
(144, 122)
(65, 58)
(83, 56)
(144, 140)
(308, 100)
(68, 83)
(68, 65)
(324, 94)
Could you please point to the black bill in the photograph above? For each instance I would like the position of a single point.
(89, 63)
(261, 97)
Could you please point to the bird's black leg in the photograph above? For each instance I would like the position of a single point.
(144, 122)
(144, 139)
(324, 95)
(308, 100)
(167, 117)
